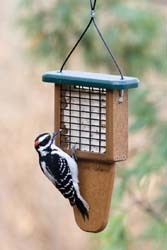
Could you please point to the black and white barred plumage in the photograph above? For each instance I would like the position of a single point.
(61, 169)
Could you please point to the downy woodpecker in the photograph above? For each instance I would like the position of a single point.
(61, 169)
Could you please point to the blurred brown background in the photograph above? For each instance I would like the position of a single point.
(33, 214)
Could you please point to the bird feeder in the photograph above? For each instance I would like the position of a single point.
(91, 109)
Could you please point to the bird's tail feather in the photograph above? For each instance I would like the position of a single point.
(82, 207)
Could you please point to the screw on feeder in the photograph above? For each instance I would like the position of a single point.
(124, 157)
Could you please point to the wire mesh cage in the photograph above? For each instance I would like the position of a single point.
(89, 112)
(83, 118)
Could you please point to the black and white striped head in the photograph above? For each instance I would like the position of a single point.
(45, 140)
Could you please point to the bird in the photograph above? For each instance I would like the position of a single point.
(61, 169)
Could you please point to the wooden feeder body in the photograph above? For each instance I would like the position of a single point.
(94, 120)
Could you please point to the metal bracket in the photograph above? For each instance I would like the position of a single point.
(92, 14)
(121, 96)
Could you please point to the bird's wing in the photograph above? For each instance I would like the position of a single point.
(63, 178)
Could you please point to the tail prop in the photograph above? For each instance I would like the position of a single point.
(82, 207)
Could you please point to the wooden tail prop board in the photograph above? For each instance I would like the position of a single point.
(96, 185)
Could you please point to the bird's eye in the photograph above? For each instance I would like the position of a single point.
(45, 141)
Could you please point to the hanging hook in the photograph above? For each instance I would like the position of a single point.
(92, 4)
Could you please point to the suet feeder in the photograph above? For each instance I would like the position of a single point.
(92, 111)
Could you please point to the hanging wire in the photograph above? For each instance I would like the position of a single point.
(92, 20)
(82, 35)
(92, 5)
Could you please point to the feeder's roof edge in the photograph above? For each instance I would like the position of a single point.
(88, 79)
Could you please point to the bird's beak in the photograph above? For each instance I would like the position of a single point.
(54, 134)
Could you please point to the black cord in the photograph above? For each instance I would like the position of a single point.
(82, 35)
(92, 19)
(92, 5)
(108, 49)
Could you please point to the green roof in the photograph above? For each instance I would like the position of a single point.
(89, 79)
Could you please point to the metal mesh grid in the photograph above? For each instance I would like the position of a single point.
(83, 118)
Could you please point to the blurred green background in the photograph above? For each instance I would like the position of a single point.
(36, 37)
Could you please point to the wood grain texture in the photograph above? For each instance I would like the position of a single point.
(96, 185)
(117, 126)
(90, 156)
(57, 101)
(97, 171)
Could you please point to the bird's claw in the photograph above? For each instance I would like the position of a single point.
(55, 133)
(74, 156)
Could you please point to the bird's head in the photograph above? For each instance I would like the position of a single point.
(45, 140)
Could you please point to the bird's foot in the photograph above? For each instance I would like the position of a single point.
(74, 156)
(55, 133)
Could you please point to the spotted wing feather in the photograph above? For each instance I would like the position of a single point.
(61, 177)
